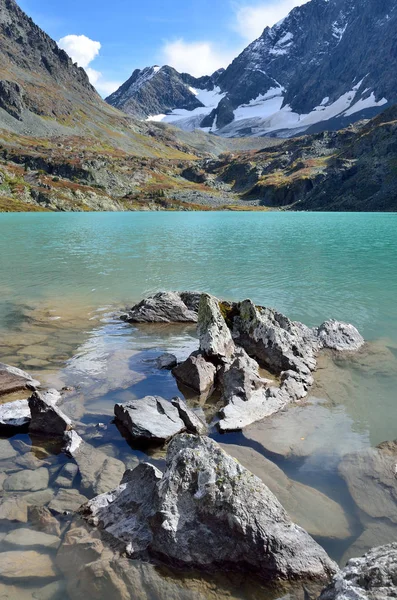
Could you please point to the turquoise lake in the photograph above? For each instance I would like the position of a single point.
(65, 277)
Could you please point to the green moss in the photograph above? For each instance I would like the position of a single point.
(228, 312)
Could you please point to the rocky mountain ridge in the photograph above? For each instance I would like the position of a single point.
(327, 64)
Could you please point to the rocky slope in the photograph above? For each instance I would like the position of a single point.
(327, 64)
(353, 169)
(64, 148)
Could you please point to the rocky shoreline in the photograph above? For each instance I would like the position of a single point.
(211, 508)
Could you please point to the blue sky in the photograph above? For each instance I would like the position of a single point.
(110, 40)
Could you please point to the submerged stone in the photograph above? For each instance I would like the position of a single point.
(26, 566)
(29, 538)
(166, 361)
(67, 501)
(27, 480)
(99, 473)
(371, 476)
(311, 509)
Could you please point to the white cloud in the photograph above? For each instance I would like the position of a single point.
(104, 86)
(83, 51)
(196, 58)
(251, 19)
(80, 48)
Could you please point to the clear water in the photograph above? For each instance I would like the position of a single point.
(63, 277)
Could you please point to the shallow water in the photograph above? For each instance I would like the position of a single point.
(64, 277)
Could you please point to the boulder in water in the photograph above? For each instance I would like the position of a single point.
(207, 511)
(165, 307)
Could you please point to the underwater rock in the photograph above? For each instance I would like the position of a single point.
(166, 361)
(371, 476)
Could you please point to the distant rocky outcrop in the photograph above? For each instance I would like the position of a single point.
(207, 512)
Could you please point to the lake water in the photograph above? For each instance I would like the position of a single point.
(65, 277)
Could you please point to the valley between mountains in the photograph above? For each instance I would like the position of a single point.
(62, 148)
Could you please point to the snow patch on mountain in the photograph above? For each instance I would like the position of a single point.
(191, 119)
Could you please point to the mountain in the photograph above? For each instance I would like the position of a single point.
(354, 169)
(64, 148)
(327, 64)
(158, 90)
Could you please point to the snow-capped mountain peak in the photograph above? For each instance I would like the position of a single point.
(328, 63)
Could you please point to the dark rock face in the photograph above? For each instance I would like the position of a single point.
(372, 577)
(206, 512)
(154, 90)
(46, 418)
(25, 47)
(11, 98)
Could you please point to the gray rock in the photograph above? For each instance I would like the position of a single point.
(196, 373)
(27, 481)
(15, 380)
(214, 335)
(151, 419)
(192, 422)
(371, 577)
(99, 473)
(240, 413)
(67, 501)
(207, 511)
(47, 419)
(167, 361)
(67, 475)
(7, 450)
(165, 307)
(11, 98)
(278, 343)
(339, 336)
(371, 476)
(31, 539)
(14, 415)
(296, 386)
